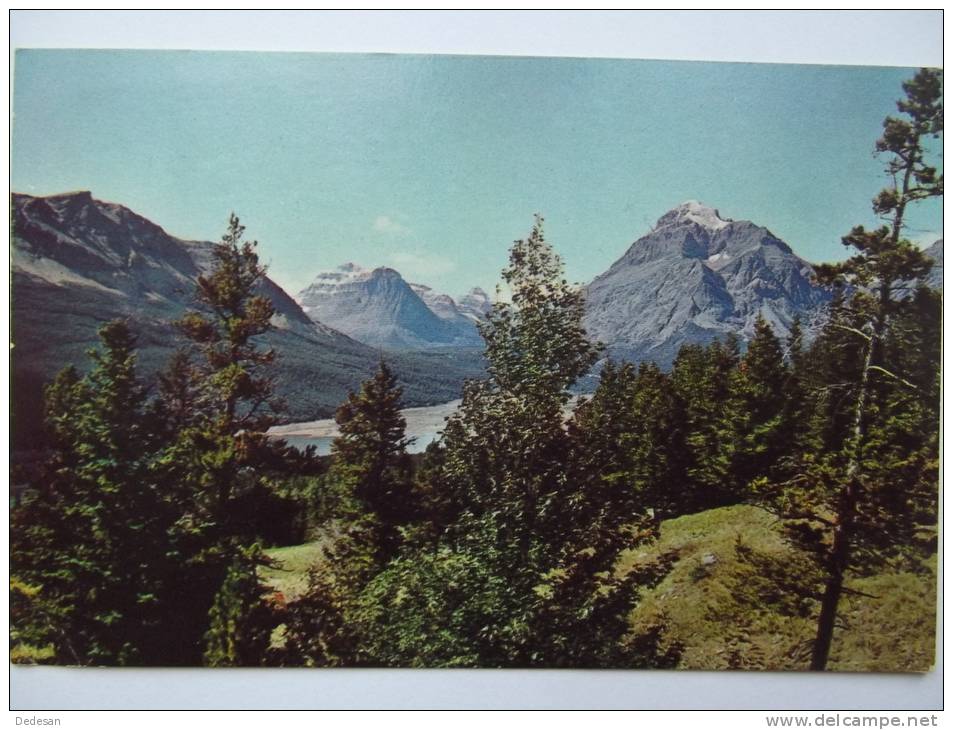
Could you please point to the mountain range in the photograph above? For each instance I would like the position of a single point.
(78, 262)
(377, 307)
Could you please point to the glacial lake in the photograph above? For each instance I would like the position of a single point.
(423, 425)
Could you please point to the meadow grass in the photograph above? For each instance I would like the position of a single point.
(713, 604)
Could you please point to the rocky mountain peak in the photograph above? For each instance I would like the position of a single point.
(475, 304)
(379, 308)
(78, 262)
(692, 211)
(694, 277)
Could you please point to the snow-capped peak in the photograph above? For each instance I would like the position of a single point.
(695, 212)
(475, 304)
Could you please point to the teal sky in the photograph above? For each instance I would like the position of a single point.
(434, 164)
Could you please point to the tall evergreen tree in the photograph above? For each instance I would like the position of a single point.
(372, 479)
(217, 457)
(856, 507)
(796, 411)
(371, 466)
(759, 396)
(703, 378)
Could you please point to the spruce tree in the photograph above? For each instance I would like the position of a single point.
(372, 481)
(223, 405)
(93, 538)
(371, 466)
(703, 378)
(759, 397)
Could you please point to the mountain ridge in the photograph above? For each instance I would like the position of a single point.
(78, 262)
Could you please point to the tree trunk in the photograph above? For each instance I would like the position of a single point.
(839, 558)
(843, 534)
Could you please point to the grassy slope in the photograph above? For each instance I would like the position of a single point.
(708, 606)
(709, 609)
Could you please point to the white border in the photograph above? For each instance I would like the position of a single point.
(899, 38)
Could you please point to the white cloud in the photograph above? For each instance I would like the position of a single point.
(386, 224)
(414, 265)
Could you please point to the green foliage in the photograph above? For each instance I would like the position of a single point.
(137, 529)
(241, 620)
(431, 609)
(370, 467)
(320, 627)
(764, 429)
(704, 379)
(92, 540)
(218, 454)
(374, 502)
(520, 568)
(235, 392)
(535, 343)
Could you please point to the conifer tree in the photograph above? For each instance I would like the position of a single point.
(868, 500)
(372, 480)
(93, 540)
(703, 379)
(237, 393)
(759, 397)
(233, 397)
(660, 453)
(632, 433)
(370, 461)
(225, 404)
(796, 414)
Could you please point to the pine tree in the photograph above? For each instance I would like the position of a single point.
(863, 503)
(703, 378)
(795, 429)
(632, 432)
(759, 396)
(237, 394)
(372, 480)
(660, 453)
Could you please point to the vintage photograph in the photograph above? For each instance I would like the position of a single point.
(384, 360)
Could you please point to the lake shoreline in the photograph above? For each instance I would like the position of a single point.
(424, 425)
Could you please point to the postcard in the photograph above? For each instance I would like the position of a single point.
(356, 360)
